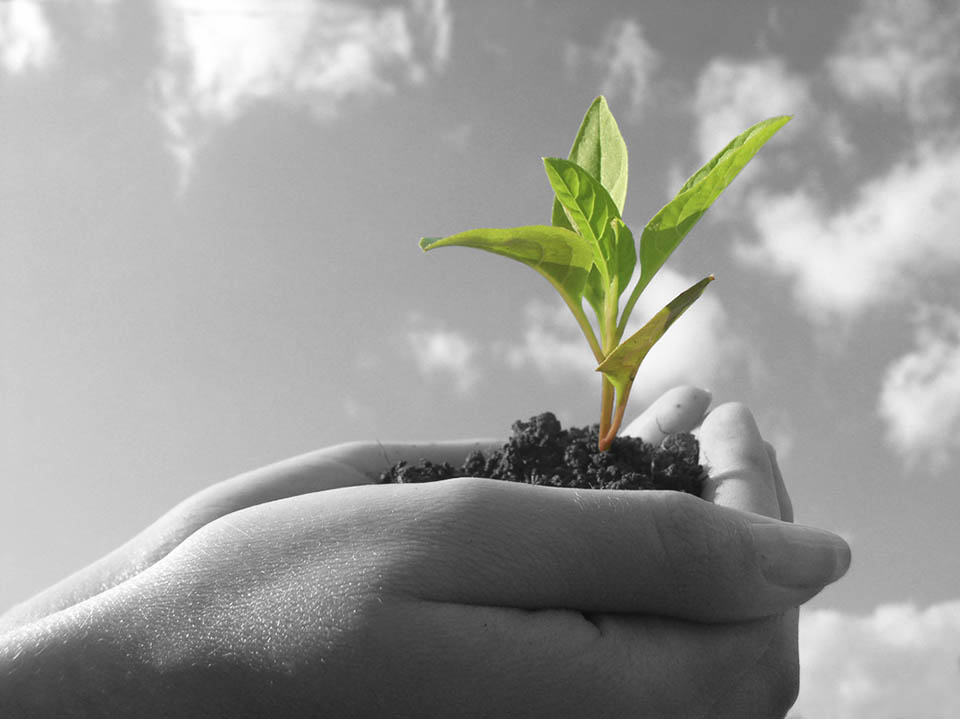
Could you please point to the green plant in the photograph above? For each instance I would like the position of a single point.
(588, 253)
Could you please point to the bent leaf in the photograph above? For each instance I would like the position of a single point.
(600, 149)
(560, 255)
(591, 209)
(671, 224)
(621, 365)
(624, 260)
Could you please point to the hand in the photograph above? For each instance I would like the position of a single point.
(461, 598)
(350, 464)
(744, 475)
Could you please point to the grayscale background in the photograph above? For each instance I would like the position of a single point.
(209, 214)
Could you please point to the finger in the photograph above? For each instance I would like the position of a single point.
(677, 410)
(345, 465)
(479, 541)
(783, 497)
(740, 474)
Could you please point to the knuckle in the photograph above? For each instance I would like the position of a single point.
(703, 555)
(439, 536)
(687, 548)
(462, 501)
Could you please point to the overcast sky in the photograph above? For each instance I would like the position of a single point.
(209, 214)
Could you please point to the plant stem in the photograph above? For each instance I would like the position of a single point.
(586, 328)
(606, 439)
(606, 407)
(609, 334)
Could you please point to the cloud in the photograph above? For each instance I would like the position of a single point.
(903, 56)
(552, 344)
(920, 398)
(440, 352)
(313, 55)
(732, 95)
(628, 63)
(898, 230)
(26, 40)
(699, 349)
(625, 61)
(900, 661)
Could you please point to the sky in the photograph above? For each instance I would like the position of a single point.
(209, 215)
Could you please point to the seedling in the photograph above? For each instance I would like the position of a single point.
(588, 253)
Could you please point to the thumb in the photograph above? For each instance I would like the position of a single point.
(744, 476)
(680, 409)
(738, 463)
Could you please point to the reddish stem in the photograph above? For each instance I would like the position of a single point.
(606, 440)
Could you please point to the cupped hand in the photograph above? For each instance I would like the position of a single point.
(483, 598)
(344, 465)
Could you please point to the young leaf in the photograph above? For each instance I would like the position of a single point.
(559, 217)
(621, 365)
(625, 253)
(599, 149)
(560, 255)
(671, 224)
(592, 211)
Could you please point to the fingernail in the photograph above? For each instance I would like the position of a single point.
(799, 557)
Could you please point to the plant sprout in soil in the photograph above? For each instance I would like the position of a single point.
(588, 252)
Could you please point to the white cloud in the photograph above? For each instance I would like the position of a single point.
(901, 228)
(904, 55)
(625, 61)
(552, 344)
(26, 41)
(440, 352)
(700, 348)
(900, 661)
(920, 399)
(732, 95)
(315, 55)
(628, 63)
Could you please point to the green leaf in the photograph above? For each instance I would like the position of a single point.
(594, 292)
(671, 224)
(621, 365)
(625, 250)
(591, 210)
(599, 148)
(625, 253)
(559, 217)
(562, 256)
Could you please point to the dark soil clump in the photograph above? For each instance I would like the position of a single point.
(541, 452)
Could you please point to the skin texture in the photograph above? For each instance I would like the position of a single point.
(302, 590)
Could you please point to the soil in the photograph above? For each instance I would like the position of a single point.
(542, 452)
